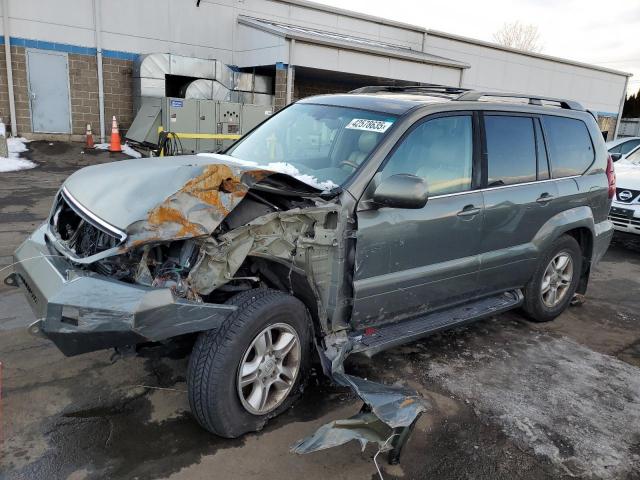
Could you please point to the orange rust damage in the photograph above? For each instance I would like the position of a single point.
(163, 214)
(137, 243)
(258, 175)
(213, 180)
(209, 187)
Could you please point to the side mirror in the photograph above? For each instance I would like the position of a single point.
(401, 191)
(616, 156)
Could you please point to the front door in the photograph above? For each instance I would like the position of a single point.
(49, 91)
(409, 261)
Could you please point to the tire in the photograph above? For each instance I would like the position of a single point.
(214, 365)
(539, 308)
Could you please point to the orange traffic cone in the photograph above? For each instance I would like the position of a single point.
(89, 142)
(114, 145)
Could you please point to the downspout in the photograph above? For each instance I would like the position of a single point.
(290, 70)
(620, 108)
(7, 54)
(97, 34)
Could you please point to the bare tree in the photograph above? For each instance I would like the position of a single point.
(520, 36)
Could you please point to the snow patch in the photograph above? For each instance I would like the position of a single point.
(577, 407)
(16, 146)
(289, 169)
(280, 167)
(126, 149)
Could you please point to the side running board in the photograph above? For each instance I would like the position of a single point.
(392, 335)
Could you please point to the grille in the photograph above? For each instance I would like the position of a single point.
(634, 195)
(79, 233)
(625, 222)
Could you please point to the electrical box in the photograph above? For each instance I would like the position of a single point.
(194, 116)
(180, 115)
(207, 118)
(144, 129)
(252, 115)
(228, 122)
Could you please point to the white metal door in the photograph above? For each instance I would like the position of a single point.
(48, 74)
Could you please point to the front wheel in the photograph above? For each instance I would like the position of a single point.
(550, 290)
(253, 366)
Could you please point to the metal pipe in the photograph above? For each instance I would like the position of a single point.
(97, 33)
(7, 55)
(620, 108)
(289, 97)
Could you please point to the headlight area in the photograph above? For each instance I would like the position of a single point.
(160, 266)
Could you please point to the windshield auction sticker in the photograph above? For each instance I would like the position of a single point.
(369, 125)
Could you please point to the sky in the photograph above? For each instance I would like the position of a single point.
(602, 33)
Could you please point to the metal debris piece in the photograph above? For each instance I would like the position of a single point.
(395, 406)
(388, 410)
(363, 427)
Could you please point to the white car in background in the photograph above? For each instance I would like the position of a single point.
(625, 209)
(623, 146)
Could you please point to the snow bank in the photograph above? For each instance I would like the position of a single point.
(14, 162)
(126, 149)
(280, 167)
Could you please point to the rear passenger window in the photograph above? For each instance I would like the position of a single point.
(569, 144)
(511, 149)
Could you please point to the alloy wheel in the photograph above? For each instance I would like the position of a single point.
(269, 368)
(556, 279)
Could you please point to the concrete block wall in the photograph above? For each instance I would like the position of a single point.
(309, 87)
(20, 89)
(83, 87)
(280, 100)
(118, 92)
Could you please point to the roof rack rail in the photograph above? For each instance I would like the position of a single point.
(475, 95)
(410, 88)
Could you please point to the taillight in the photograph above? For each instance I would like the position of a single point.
(611, 177)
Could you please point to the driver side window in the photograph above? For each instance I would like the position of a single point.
(440, 151)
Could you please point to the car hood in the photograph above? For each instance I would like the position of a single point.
(154, 199)
(627, 176)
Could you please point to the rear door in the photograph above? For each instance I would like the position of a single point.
(519, 198)
(409, 261)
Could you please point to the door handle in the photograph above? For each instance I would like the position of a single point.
(469, 211)
(544, 198)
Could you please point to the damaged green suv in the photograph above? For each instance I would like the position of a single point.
(343, 224)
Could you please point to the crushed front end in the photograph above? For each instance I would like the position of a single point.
(173, 260)
(83, 309)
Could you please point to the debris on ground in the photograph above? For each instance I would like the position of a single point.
(386, 418)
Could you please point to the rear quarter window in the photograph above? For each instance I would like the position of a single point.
(570, 146)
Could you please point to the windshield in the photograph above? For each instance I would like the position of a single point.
(319, 144)
(632, 159)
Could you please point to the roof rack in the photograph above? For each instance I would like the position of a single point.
(437, 89)
(474, 95)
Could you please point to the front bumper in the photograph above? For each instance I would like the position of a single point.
(81, 311)
(625, 217)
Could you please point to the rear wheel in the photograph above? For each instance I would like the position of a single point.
(252, 367)
(550, 290)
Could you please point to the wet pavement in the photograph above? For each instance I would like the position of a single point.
(511, 399)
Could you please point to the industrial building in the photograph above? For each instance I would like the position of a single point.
(75, 62)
